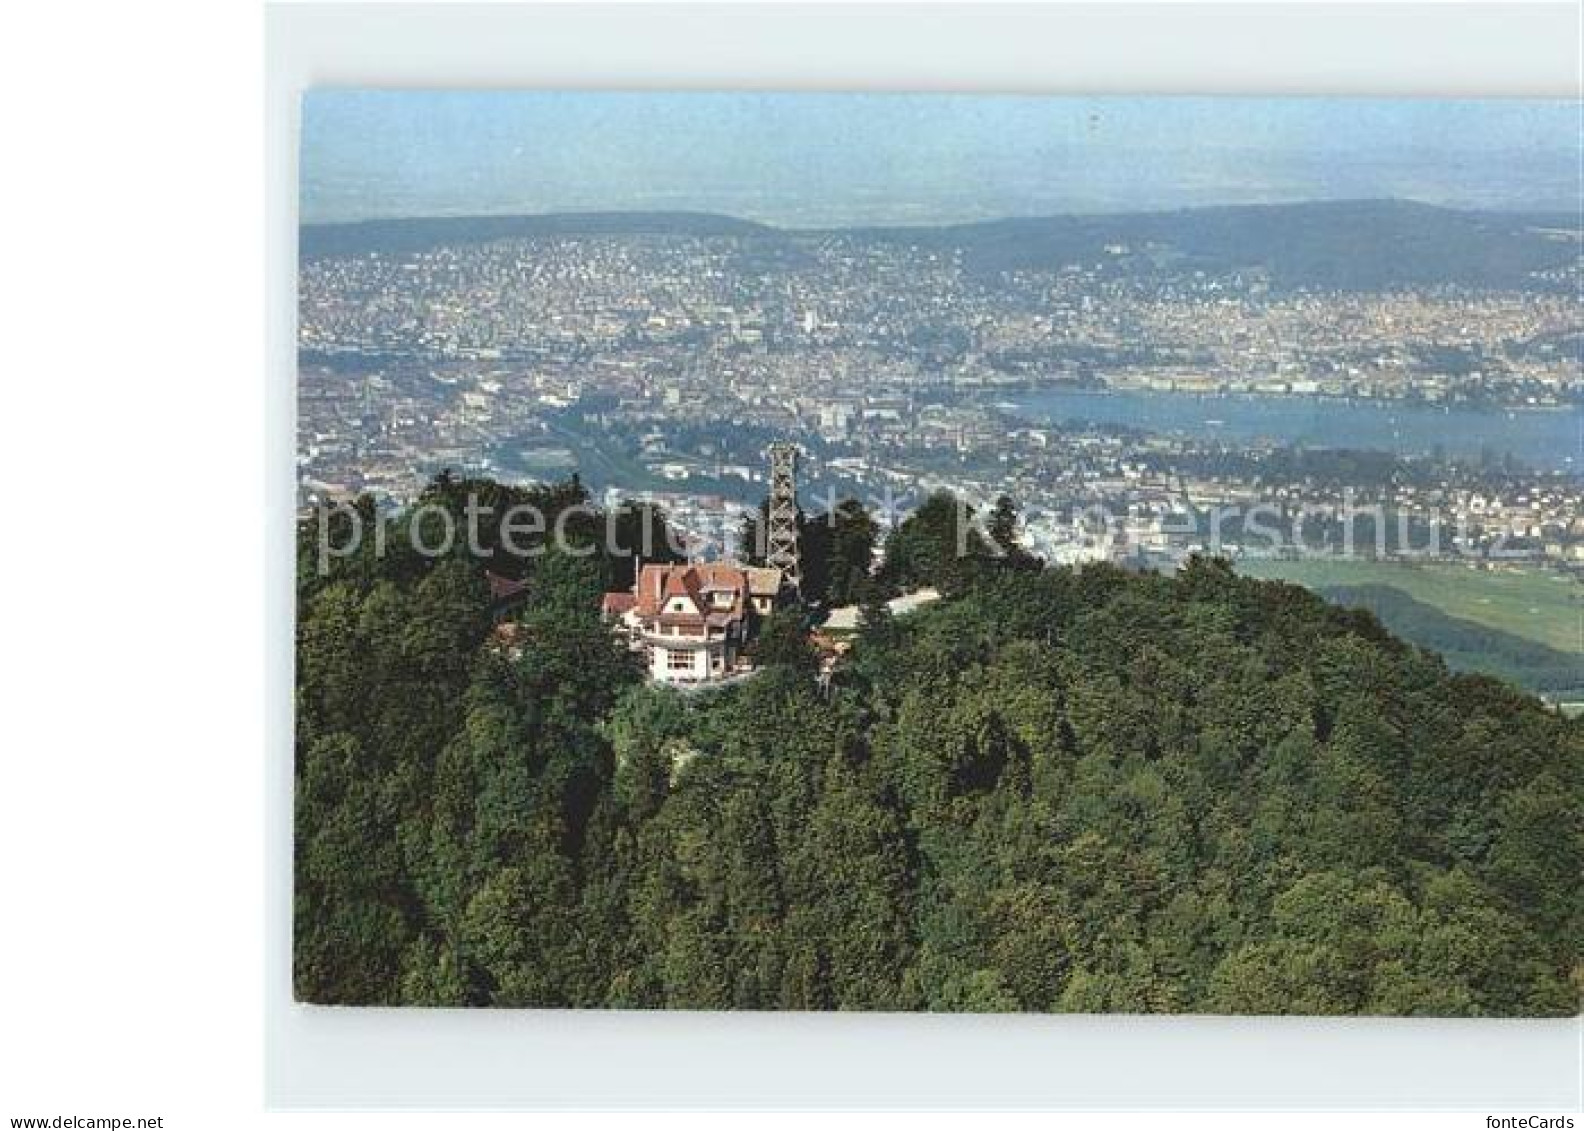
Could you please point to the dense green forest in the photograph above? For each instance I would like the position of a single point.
(1055, 789)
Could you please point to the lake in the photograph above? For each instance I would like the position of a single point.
(1545, 438)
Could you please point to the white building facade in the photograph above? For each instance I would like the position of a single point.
(692, 623)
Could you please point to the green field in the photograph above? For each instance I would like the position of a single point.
(1539, 604)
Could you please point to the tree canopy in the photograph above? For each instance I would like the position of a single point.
(1057, 789)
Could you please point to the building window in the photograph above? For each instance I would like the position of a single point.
(678, 661)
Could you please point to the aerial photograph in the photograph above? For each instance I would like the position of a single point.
(939, 552)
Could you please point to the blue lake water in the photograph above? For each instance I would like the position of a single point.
(1544, 438)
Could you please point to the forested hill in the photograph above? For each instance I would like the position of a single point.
(1053, 790)
(1323, 245)
(1348, 245)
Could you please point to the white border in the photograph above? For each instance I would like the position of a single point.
(323, 1058)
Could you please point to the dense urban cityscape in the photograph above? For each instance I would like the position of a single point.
(657, 362)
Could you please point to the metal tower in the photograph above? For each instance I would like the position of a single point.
(781, 541)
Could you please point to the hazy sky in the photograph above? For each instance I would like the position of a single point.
(803, 159)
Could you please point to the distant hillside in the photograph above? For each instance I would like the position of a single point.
(1467, 646)
(403, 237)
(1337, 245)
(1344, 245)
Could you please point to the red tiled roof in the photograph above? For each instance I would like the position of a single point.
(503, 587)
(658, 585)
(615, 604)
